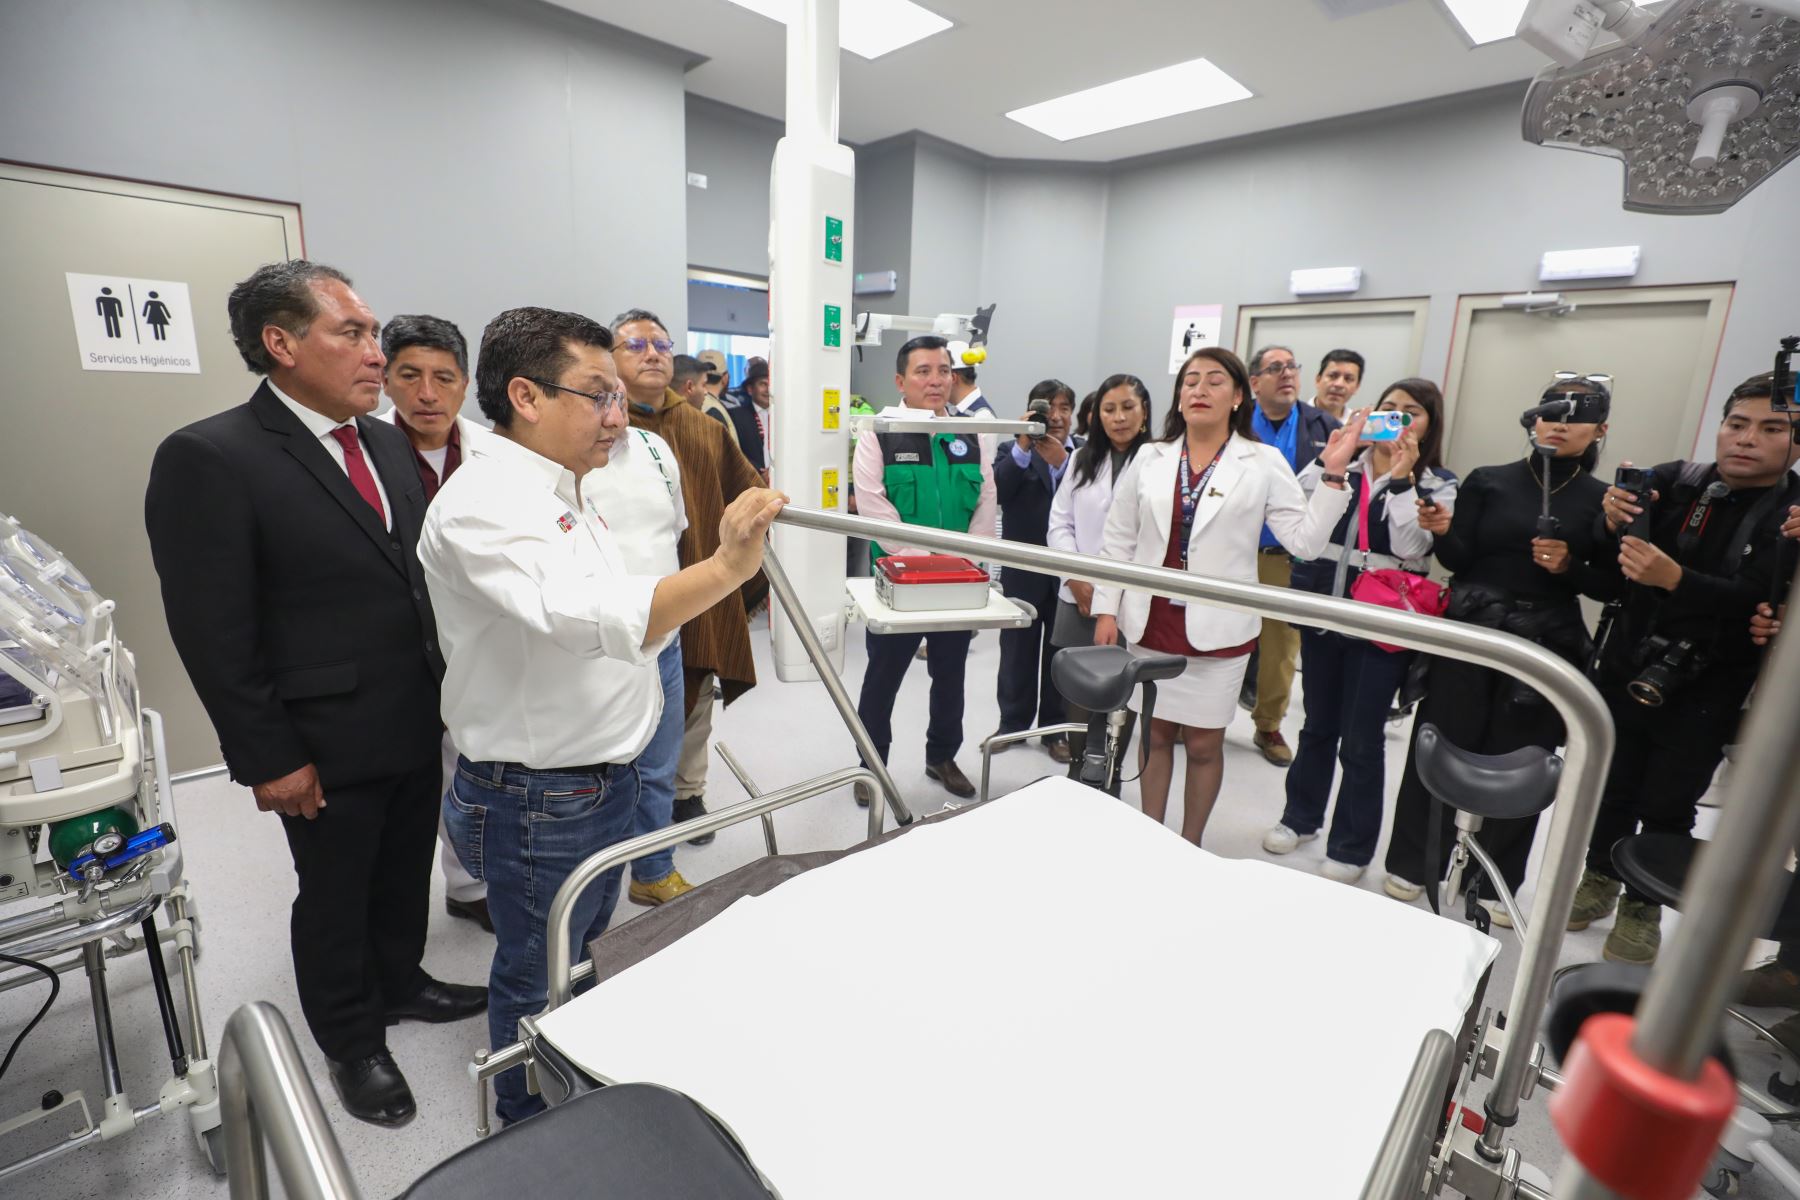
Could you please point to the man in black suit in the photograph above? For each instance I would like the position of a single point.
(751, 414)
(1027, 473)
(284, 532)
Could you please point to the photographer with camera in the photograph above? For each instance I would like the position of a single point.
(1027, 476)
(1517, 546)
(1694, 548)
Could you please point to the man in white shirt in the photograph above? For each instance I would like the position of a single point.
(550, 687)
(427, 378)
(635, 487)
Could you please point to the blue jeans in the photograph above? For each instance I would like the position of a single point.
(522, 832)
(1350, 685)
(656, 769)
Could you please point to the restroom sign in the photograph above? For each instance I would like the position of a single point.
(128, 324)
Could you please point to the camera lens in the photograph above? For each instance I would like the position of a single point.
(1647, 689)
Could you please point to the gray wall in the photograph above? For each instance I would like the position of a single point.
(728, 219)
(1042, 262)
(1435, 202)
(884, 205)
(1440, 200)
(454, 156)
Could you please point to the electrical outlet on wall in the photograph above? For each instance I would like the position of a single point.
(696, 179)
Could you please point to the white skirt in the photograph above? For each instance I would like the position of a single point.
(1202, 697)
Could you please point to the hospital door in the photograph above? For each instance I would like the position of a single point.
(1660, 346)
(76, 448)
(1389, 334)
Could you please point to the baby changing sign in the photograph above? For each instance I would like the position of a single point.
(126, 324)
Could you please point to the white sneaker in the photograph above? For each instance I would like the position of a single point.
(1498, 914)
(1282, 840)
(1402, 889)
(1342, 872)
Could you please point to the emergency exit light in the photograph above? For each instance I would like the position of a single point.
(1324, 281)
(1601, 262)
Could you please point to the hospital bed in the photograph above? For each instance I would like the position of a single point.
(878, 1035)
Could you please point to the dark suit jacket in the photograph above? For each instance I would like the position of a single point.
(743, 417)
(1024, 496)
(304, 625)
(1315, 429)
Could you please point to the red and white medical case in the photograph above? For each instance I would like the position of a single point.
(929, 582)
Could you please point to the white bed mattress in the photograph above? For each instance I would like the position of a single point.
(878, 1028)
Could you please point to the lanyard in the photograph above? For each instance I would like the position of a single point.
(657, 459)
(1190, 494)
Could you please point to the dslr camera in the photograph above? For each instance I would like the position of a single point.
(1664, 666)
(1639, 482)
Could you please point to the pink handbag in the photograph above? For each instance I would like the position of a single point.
(1391, 587)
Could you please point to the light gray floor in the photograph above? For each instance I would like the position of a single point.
(238, 865)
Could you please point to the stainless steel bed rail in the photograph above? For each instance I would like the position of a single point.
(1402, 1162)
(561, 979)
(1586, 757)
(1736, 886)
(264, 1090)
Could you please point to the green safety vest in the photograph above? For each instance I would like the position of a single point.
(934, 479)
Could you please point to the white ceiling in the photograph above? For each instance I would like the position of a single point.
(1304, 60)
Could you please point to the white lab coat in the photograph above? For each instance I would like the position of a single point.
(1253, 485)
(1078, 513)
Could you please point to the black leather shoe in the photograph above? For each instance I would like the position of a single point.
(374, 1090)
(470, 910)
(686, 809)
(439, 1003)
(951, 776)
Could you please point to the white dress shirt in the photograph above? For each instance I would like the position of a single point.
(1078, 514)
(321, 427)
(765, 420)
(541, 623)
(638, 495)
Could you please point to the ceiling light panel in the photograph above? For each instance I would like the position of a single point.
(1166, 92)
(868, 28)
(1485, 21)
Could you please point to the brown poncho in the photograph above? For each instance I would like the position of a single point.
(713, 472)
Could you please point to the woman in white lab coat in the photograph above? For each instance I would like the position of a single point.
(1119, 427)
(1198, 501)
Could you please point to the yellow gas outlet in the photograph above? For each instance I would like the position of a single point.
(828, 488)
(833, 408)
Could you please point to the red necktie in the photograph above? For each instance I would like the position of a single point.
(360, 476)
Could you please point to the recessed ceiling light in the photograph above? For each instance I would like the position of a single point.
(1184, 87)
(869, 28)
(1487, 21)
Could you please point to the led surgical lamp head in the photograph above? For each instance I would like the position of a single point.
(1701, 103)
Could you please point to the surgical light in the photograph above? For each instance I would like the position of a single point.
(1701, 108)
(867, 28)
(1165, 92)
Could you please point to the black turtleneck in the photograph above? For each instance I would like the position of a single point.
(1496, 517)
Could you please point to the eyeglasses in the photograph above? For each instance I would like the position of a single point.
(1279, 369)
(605, 402)
(639, 345)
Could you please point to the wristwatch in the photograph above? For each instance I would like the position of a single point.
(1328, 477)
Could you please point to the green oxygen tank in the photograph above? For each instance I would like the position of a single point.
(71, 838)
